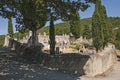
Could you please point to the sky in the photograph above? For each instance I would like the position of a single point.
(111, 8)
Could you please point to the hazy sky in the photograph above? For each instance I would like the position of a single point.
(112, 7)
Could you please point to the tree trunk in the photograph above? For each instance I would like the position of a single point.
(52, 36)
(33, 38)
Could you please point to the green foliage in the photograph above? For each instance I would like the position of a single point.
(87, 32)
(96, 28)
(114, 21)
(60, 10)
(64, 28)
(117, 40)
(52, 36)
(115, 31)
(100, 27)
(2, 37)
(20, 35)
(86, 21)
(91, 1)
(107, 30)
(61, 28)
(6, 8)
(31, 15)
(10, 27)
(75, 24)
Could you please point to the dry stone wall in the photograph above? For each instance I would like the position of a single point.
(90, 65)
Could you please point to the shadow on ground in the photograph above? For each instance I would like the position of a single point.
(12, 68)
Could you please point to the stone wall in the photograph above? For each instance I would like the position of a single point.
(100, 62)
(90, 65)
(14, 45)
(69, 63)
(6, 41)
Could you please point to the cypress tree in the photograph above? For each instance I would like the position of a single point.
(100, 27)
(87, 32)
(10, 27)
(96, 27)
(75, 24)
(52, 36)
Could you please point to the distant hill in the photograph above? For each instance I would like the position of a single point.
(60, 28)
(64, 28)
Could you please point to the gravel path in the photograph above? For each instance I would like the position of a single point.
(12, 69)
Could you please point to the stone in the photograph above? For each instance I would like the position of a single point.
(57, 50)
(100, 62)
(6, 41)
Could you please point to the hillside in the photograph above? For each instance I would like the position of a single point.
(60, 28)
(63, 28)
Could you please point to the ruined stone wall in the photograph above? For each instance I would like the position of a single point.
(90, 65)
(13, 44)
(100, 62)
(69, 63)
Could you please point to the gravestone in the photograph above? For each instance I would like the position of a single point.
(6, 42)
(30, 33)
(57, 50)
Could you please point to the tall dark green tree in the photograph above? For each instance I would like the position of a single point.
(75, 27)
(10, 27)
(57, 11)
(100, 28)
(96, 27)
(106, 26)
(52, 35)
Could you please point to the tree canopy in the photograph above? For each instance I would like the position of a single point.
(32, 14)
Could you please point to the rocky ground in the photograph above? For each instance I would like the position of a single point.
(113, 74)
(12, 68)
